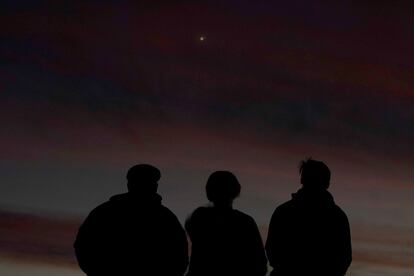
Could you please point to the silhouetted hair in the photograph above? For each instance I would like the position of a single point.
(143, 178)
(222, 187)
(314, 174)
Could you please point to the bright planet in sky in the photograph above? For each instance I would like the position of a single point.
(202, 38)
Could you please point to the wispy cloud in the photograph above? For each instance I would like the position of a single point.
(48, 240)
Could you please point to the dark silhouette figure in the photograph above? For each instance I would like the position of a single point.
(309, 234)
(132, 233)
(225, 241)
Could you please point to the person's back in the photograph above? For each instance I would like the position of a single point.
(224, 241)
(309, 235)
(132, 234)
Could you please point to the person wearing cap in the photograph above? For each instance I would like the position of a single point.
(133, 233)
(225, 241)
(310, 234)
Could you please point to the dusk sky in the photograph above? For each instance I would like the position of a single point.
(90, 88)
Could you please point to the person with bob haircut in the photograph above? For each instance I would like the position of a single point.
(224, 240)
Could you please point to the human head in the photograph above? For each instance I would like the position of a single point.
(222, 187)
(314, 174)
(143, 179)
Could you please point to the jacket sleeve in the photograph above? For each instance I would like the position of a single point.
(258, 258)
(87, 244)
(345, 245)
(177, 248)
(271, 242)
(277, 249)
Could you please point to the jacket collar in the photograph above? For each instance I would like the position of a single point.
(153, 199)
(313, 196)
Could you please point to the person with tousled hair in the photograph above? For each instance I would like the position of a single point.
(310, 234)
(133, 233)
(225, 241)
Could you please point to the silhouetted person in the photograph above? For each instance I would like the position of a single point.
(132, 233)
(309, 234)
(225, 241)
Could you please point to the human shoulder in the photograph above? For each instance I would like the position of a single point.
(283, 211)
(167, 212)
(110, 208)
(244, 216)
(96, 218)
(201, 212)
(101, 209)
(196, 219)
(339, 213)
(286, 206)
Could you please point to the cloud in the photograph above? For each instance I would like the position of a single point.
(29, 238)
(41, 239)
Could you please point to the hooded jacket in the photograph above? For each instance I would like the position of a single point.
(309, 235)
(132, 235)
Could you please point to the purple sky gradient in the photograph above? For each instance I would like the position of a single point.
(89, 88)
